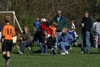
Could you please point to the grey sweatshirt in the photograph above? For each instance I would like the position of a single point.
(98, 28)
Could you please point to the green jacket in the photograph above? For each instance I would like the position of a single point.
(61, 24)
(26, 37)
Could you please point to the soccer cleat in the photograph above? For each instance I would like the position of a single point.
(7, 62)
(63, 53)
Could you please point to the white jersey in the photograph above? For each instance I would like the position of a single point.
(73, 26)
(94, 26)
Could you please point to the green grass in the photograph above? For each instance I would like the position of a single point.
(75, 59)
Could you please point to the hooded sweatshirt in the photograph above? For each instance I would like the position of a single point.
(98, 28)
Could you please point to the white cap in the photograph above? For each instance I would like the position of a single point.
(43, 20)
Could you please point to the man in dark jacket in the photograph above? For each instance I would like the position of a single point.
(86, 30)
(61, 21)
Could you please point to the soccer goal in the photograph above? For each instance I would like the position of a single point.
(14, 19)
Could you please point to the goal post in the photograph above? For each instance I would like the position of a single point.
(13, 16)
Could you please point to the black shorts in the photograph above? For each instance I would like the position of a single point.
(7, 45)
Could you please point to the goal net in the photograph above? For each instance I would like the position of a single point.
(14, 20)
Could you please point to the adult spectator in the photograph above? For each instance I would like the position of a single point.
(53, 29)
(96, 35)
(25, 40)
(61, 21)
(86, 31)
(65, 41)
(97, 30)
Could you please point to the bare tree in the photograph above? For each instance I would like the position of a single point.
(8, 5)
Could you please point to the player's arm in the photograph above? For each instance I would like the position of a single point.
(4, 31)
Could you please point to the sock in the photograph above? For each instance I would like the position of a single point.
(5, 56)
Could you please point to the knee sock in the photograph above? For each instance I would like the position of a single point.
(5, 57)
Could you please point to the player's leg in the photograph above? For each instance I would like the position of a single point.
(9, 49)
(8, 58)
(4, 55)
(8, 55)
(4, 50)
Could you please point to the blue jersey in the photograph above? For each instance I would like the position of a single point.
(36, 24)
(71, 32)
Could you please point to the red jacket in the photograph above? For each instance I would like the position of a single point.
(45, 27)
(99, 40)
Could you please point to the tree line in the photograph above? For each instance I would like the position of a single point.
(28, 10)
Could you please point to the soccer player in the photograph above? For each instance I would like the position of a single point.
(8, 33)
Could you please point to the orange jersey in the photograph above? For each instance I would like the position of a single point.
(8, 32)
(53, 31)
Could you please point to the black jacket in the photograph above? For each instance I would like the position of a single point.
(87, 24)
(50, 40)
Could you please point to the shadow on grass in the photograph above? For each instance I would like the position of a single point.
(28, 52)
(95, 53)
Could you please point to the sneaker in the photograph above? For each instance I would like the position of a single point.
(29, 48)
(82, 52)
(67, 52)
(20, 52)
(70, 48)
(54, 53)
(63, 53)
(7, 62)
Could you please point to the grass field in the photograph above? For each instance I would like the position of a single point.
(75, 59)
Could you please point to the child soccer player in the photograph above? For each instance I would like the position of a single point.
(8, 33)
(53, 34)
(53, 29)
